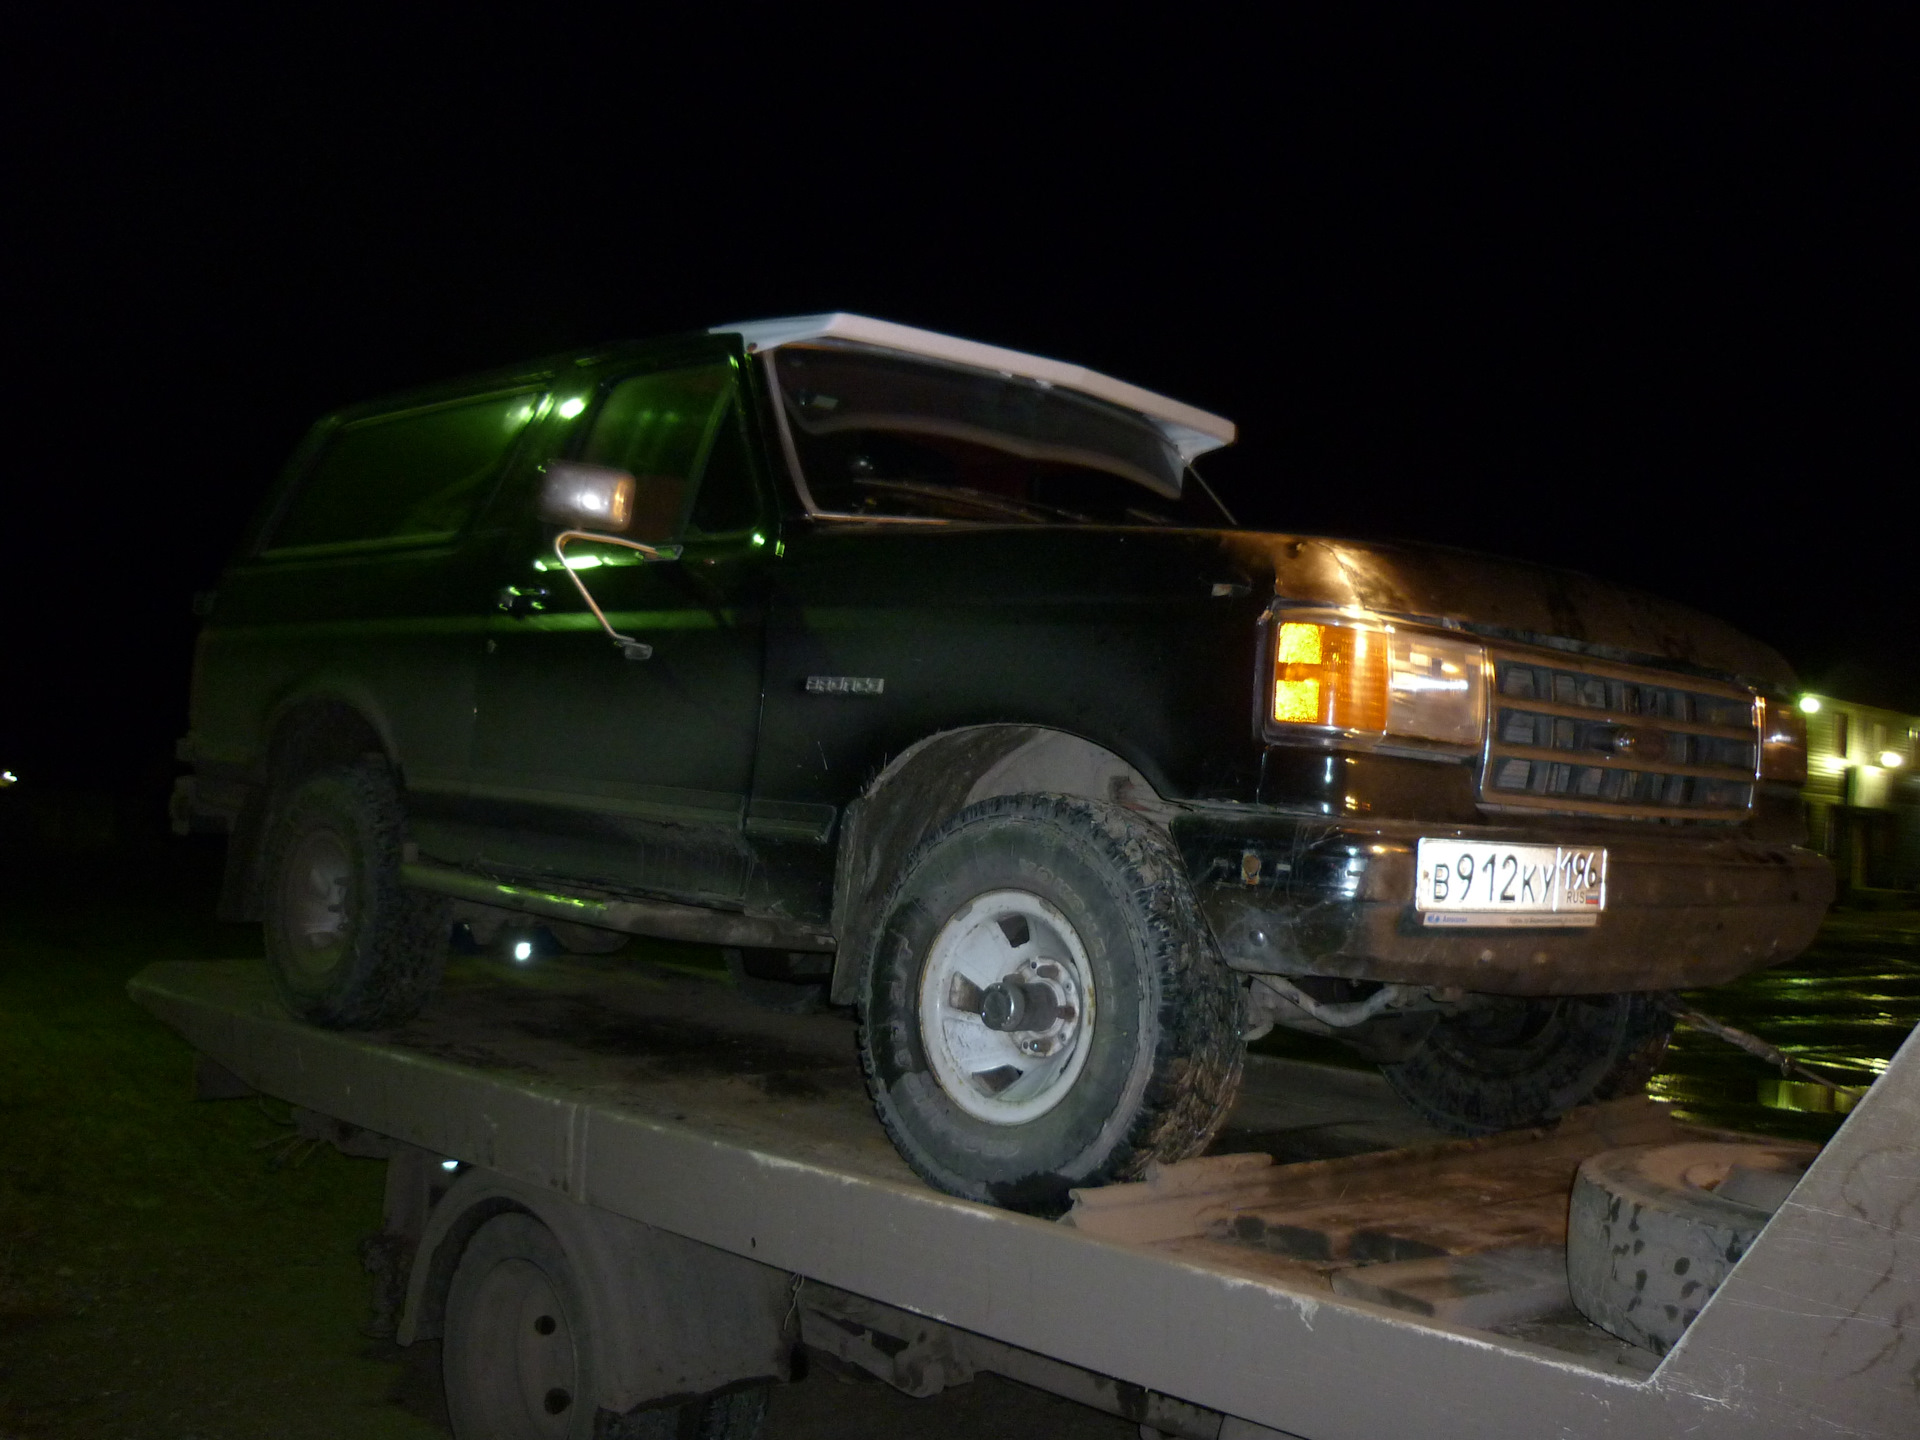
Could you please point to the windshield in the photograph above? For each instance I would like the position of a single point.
(881, 434)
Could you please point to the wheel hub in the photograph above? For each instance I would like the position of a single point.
(319, 882)
(1006, 1007)
(1035, 1004)
(525, 1359)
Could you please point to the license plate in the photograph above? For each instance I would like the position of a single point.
(1474, 883)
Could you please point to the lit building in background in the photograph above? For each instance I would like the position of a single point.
(1863, 795)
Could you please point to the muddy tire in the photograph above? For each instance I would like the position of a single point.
(1653, 1230)
(347, 945)
(518, 1353)
(1042, 1007)
(1516, 1062)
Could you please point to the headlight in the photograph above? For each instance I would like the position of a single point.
(1783, 741)
(1351, 675)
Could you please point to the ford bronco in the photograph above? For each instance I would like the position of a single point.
(933, 676)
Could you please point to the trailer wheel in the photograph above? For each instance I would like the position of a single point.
(517, 1356)
(1512, 1062)
(1653, 1230)
(1043, 1008)
(347, 944)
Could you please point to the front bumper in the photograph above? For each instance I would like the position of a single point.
(1311, 897)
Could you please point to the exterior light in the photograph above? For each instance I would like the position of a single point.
(1892, 759)
(1360, 675)
(523, 949)
(449, 1164)
(758, 538)
(1783, 742)
(7, 777)
(1810, 704)
(570, 408)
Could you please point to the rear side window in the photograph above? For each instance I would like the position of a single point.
(675, 431)
(417, 475)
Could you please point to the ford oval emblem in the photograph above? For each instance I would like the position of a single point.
(1639, 742)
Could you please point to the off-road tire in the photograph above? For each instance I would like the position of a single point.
(1516, 1062)
(384, 957)
(1165, 1051)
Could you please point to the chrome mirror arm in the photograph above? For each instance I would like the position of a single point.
(628, 646)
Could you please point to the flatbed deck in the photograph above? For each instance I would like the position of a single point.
(1275, 1296)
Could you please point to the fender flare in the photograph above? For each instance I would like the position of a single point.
(940, 775)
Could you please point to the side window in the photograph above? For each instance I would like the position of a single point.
(394, 477)
(725, 504)
(675, 431)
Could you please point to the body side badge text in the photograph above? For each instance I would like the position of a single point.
(845, 684)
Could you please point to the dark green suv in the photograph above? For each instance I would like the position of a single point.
(932, 674)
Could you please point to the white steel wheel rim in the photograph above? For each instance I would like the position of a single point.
(318, 891)
(528, 1368)
(1006, 1077)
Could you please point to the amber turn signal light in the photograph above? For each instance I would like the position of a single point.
(1365, 675)
(1330, 675)
(1783, 741)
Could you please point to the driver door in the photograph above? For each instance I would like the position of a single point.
(592, 768)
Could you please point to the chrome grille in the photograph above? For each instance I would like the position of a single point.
(1606, 741)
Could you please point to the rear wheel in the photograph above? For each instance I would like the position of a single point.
(518, 1355)
(517, 1360)
(1512, 1061)
(1043, 1008)
(347, 945)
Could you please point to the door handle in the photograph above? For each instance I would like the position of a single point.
(520, 601)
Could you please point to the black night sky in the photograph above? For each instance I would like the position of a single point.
(1632, 294)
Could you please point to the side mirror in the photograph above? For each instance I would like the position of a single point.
(587, 497)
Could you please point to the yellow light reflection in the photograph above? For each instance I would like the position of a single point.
(1299, 644)
(1809, 1098)
(1296, 700)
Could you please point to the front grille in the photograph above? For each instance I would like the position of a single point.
(1606, 741)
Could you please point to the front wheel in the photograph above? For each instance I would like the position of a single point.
(1511, 1061)
(1042, 1008)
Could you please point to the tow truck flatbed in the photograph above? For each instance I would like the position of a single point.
(1225, 1297)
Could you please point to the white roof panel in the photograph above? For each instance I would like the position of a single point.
(1193, 432)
